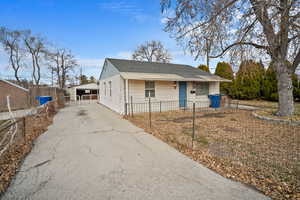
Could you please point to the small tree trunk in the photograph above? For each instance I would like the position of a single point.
(285, 89)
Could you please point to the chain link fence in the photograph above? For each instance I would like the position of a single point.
(229, 140)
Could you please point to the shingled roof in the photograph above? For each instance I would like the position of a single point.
(132, 69)
(155, 67)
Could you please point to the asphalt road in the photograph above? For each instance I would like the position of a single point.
(92, 153)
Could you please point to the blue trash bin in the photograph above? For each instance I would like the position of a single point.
(215, 100)
(43, 99)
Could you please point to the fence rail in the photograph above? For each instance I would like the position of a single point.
(132, 108)
(12, 130)
(83, 99)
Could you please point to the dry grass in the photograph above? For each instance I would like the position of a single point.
(236, 145)
(267, 104)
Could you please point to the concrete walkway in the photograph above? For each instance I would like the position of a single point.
(91, 153)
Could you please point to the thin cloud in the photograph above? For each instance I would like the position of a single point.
(125, 8)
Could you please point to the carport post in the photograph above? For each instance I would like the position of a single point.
(193, 135)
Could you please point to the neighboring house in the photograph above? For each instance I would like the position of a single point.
(19, 96)
(83, 91)
(124, 80)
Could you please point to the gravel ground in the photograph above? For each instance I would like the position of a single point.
(92, 153)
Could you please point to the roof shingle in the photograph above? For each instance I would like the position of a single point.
(186, 71)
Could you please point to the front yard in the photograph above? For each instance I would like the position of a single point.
(269, 105)
(236, 145)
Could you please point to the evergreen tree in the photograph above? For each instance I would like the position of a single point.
(249, 80)
(203, 68)
(83, 79)
(296, 89)
(269, 86)
(224, 70)
(92, 79)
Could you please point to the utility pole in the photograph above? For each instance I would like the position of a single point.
(80, 76)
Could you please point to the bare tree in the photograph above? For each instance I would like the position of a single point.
(152, 51)
(62, 62)
(243, 28)
(35, 46)
(13, 46)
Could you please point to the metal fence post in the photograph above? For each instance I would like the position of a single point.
(125, 109)
(160, 106)
(131, 106)
(24, 126)
(193, 135)
(150, 112)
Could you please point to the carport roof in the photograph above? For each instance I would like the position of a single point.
(141, 70)
(90, 86)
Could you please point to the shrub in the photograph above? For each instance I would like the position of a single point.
(224, 70)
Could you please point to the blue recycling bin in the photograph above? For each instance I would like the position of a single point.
(43, 99)
(215, 100)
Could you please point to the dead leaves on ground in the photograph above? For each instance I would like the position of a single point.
(236, 145)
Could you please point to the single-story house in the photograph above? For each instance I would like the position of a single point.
(19, 96)
(128, 82)
(83, 92)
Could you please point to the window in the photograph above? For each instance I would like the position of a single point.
(109, 88)
(149, 89)
(104, 89)
(201, 88)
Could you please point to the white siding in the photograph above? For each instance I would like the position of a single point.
(72, 94)
(214, 88)
(116, 100)
(167, 91)
(164, 91)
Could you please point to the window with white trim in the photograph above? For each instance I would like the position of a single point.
(201, 88)
(149, 89)
(109, 88)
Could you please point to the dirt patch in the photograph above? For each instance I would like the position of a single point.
(213, 115)
(29, 128)
(236, 145)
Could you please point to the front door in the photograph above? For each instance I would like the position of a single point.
(182, 94)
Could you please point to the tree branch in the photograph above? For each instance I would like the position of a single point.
(296, 61)
(240, 43)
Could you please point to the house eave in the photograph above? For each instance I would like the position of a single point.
(170, 77)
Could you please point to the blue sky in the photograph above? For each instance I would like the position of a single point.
(92, 29)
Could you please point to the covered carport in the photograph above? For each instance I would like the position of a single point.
(84, 92)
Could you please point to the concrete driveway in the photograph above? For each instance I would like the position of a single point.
(92, 153)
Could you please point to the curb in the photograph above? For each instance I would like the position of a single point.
(286, 121)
